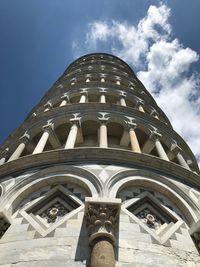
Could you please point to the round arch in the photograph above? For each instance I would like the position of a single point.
(50, 176)
(155, 182)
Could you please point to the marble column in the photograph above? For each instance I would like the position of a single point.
(83, 98)
(20, 148)
(140, 106)
(134, 141)
(47, 106)
(4, 156)
(102, 220)
(72, 136)
(64, 100)
(118, 82)
(182, 161)
(154, 113)
(103, 139)
(102, 253)
(102, 98)
(43, 139)
(175, 152)
(160, 150)
(122, 101)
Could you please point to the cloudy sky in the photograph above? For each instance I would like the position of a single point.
(159, 40)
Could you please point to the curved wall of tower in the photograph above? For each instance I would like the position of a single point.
(96, 176)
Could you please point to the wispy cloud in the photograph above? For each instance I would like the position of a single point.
(161, 62)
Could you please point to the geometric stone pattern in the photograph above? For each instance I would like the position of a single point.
(50, 210)
(103, 171)
(79, 192)
(160, 222)
(134, 235)
(133, 192)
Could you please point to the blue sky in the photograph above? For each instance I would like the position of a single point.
(160, 40)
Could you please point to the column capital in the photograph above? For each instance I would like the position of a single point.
(139, 102)
(189, 162)
(131, 125)
(48, 105)
(5, 152)
(175, 148)
(25, 137)
(49, 127)
(76, 121)
(65, 96)
(153, 112)
(102, 217)
(103, 91)
(103, 117)
(60, 86)
(84, 92)
(122, 94)
(154, 136)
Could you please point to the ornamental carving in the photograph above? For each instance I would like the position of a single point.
(150, 218)
(54, 213)
(102, 220)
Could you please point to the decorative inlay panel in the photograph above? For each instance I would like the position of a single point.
(51, 209)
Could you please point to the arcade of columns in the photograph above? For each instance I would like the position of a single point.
(103, 119)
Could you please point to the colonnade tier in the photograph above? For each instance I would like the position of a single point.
(100, 129)
(117, 114)
(96, 72)
(98, 102)
(105, 80)
(99, 96)
(101, 57)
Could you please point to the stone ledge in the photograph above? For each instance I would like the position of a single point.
(103, 156)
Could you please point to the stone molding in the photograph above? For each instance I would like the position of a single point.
(114, 156)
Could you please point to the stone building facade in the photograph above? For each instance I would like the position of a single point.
(96, 176)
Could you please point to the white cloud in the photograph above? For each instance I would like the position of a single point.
(162, 64)
(99, 32)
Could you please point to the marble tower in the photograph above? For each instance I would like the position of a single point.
(96, 176)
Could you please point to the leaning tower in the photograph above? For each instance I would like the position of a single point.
(96, 176)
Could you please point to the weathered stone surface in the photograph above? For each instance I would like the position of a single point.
(102, 254)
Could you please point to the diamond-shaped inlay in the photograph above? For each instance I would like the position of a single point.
(150, 213)
(51, 210)
(153, 217)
